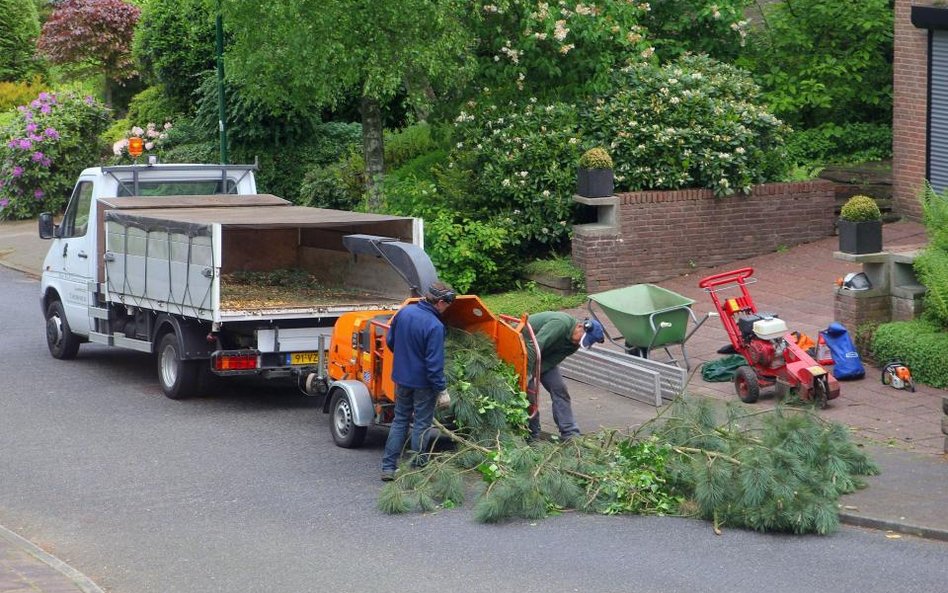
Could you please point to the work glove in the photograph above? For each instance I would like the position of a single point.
(444, 400)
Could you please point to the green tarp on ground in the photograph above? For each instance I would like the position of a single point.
(722, 369)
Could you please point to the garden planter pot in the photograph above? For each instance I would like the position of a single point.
(594, 183)
(860, 237)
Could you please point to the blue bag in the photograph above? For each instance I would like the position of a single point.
(846, 362)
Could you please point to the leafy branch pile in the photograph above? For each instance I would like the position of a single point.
(781, 470)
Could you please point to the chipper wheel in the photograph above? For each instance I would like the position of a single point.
(746, 384)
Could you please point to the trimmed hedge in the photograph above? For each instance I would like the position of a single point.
(920, 344)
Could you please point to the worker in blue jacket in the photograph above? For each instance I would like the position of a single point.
(416, 338)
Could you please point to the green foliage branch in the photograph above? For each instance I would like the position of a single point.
(780, 470)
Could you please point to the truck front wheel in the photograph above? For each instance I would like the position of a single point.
(178, 377)
(62, 343)
(345, 433)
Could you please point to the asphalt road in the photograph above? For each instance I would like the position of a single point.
(245, 492)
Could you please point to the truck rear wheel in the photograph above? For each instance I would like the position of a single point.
(178, 377)
(62, 343)
(342, 425)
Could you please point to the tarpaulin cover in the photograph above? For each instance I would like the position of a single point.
(722, 369)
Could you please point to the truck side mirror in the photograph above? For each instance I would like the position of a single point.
(47, 230)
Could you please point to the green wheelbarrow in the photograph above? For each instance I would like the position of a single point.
(647, 317)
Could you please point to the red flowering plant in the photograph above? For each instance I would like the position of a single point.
(50, 141)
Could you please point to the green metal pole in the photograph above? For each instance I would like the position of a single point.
(222, 112)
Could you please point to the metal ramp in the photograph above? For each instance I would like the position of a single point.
(641, 379)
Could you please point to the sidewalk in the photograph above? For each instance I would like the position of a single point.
(25, 568)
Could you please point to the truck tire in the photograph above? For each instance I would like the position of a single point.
(62, 343)
(178, 378)
(746, 384)
(341, 422)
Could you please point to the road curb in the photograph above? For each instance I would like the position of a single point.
(886, 525)
(81, 581)
(22, 269)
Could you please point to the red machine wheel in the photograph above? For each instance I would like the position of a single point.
(746, 384)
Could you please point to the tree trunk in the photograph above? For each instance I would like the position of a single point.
(373, 151)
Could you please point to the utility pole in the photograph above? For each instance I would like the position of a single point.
(222, 112)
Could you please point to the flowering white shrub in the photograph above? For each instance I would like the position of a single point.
(693, 122)
(523, 166)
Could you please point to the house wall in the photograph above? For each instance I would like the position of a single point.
(662, 234)
(909, 110)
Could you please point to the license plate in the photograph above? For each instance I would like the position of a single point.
(301, 358)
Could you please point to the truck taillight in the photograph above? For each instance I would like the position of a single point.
(235, 361)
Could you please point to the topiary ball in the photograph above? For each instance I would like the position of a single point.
(595, 158)
(860, 209)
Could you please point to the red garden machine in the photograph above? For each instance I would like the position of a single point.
(772, 354)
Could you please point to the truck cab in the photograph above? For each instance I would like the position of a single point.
(70, 267)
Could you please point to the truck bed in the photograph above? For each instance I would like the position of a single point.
(211, 262)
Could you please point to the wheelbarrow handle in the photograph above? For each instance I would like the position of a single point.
(731, 277)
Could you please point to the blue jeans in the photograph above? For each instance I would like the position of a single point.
(553, 381)
(409, 403)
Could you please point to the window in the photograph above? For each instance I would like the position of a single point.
(76, 220)
(203, 187)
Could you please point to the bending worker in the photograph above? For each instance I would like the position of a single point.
(416, 338)
(558, 335)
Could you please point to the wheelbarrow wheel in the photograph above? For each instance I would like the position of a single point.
(746, 384)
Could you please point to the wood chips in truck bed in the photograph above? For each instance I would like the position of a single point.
(285, 289)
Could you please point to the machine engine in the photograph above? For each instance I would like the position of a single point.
(763, 335)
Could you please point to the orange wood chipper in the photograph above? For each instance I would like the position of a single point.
(357, 384)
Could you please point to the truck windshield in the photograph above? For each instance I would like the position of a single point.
(202, 187)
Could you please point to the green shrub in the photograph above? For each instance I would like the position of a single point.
(251, 122)
(421, 167)
(174, 45)
(935, 213)
(49, 143)
(920, 344)
(860, 209)
(931, 267)
(14, 94)
(560, 267)
(834, 143)
(409, 143)
(469, 253)
(519, 163)
(19, 28)
(337, 185)
(691, 123)
(596, 158)
(152, 106)
(530, 299)
(822, 61)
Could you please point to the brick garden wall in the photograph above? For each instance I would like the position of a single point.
(662, 234)
(909, 110)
